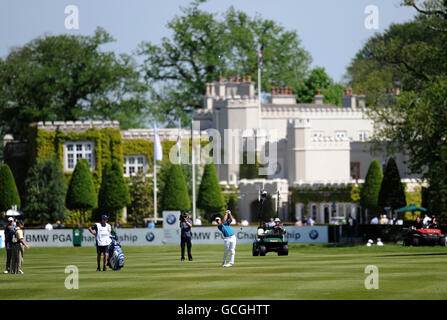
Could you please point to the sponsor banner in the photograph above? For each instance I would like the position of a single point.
(2, 238)
(211, 235)
(171, 227)
(64, 237)
(144, 236)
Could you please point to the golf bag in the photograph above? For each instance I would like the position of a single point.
(116, 255)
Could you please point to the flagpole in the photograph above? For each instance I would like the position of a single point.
(259, 97)
(193, 175)
(155, 187)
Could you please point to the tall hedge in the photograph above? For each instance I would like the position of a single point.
(81, 194)
(210, 198)
(369, 194)
(268, 208)
(113, 193)
(175, 193)
(9, 195)
(392, 191)
(45, 192)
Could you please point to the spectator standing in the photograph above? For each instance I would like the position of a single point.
(48, 226)
(185, 239)
(102, 232)
(374, 220)
(298, 222)
(310, 221)
(198, 221)
(244, 223)
(151, 224)
(9, 233)
(18, 243)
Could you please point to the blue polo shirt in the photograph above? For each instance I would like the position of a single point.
(226, 229)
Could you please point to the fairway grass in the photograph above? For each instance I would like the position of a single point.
(309, 272)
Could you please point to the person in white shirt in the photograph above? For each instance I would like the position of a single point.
(198, 221)
(244, 223)
(102, 232)
(375, 220)
(271, 223)
(310, 222)
(48, 226)
(426, 220)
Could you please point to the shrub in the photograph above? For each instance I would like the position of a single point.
(113, 193)
(9, 195)
(369, 194)
(45, 192)
(81, 194)
(210, 198)
(175, 193)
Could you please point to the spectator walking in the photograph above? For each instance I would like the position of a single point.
(102, 232)
(18, 243)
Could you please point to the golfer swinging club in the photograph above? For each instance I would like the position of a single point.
(229, 238)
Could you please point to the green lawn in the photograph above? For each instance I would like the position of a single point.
(309, 272)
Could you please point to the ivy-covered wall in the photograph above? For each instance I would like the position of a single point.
(349, 194)
(108, 146)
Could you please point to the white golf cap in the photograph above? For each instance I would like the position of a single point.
(277, 220)
(10, 219)
(217, 218)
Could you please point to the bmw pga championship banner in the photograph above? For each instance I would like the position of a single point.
(159, 236)
(171, 227)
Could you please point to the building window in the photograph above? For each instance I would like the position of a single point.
(363, 135)
(355, 170)
(317, 134)
(75, 151)
(340, 134)
(134, 164)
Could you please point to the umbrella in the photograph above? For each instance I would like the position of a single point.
(411, 208)
(13, 213)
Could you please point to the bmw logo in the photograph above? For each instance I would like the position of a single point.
(150, 236)
(170, 219)
(313, 234)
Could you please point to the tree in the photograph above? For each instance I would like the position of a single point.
(210, 198)
(204, 46)
(318, 79)
(75, 80)
(175, 193)
(392, 191)
(9, 195)
(413, 57)
(45, 192)
(369, 194)
(113, 193)
(231, 204)
(141, 198)
(81, 194)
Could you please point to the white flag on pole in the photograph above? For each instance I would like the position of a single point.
(158, 152)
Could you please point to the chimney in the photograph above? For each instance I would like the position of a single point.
(348, 100)
(319, 98)
(361, 99)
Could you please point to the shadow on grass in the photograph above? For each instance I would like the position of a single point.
(415, 255)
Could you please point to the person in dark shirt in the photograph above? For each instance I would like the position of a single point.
(9, 233)
(185, 239)
(434, 223)
(418, 224)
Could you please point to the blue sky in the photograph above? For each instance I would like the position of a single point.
(331, 30)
